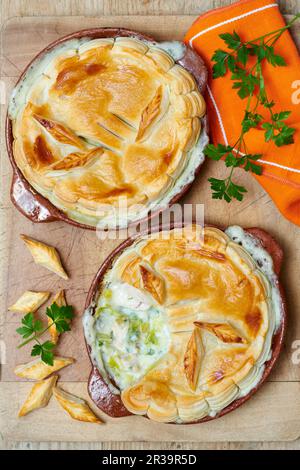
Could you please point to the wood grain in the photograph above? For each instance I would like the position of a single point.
(83, 252)
(244, 424)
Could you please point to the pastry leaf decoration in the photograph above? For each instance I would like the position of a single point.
(60, 132)
(224, 332)
(153, 284)
(210, 254)
(192, 358)
(150, 113)
(74, 160)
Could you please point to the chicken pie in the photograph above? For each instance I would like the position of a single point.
(107, 129)
(182, 326)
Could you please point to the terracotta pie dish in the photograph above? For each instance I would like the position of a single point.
(184, 329)
(104, 115)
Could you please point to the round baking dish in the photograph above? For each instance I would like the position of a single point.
(111, 403)
(38, 208)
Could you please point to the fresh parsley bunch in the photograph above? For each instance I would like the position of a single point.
(250, 84)
(32, 330)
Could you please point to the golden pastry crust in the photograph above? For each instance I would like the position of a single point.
(45, 255)
(218, 310)
(38, 370)
(75, 406)
(39, 395)
(112, 118)
(192, 358)
(224, 332)
(152, 283)
(29, 301)
(60, 300)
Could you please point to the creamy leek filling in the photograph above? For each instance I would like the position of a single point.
(131, 334)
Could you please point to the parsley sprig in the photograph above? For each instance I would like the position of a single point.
(249, 82)
(32, 330)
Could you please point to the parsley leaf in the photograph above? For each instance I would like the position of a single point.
(60, 316)
(36, 350)
(30, 326)
(249, 83)
(272, 58)
(251, 120)
(47, 355)
(219, 69)
(233, 41)
(32, 330)
(216, 152)
(279, 132)
(253, 167)
(242, 54)
(45, 351)
(245, 82)
(235, 191)
(232, 160)
(227, 190)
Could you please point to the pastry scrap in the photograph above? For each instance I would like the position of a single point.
(107, 120)
(39, 395)
(45, 255)
(38, 370)
(184, 322)
(29, 301)
(60, 300)
(75, 406)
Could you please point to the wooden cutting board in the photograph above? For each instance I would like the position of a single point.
(273, 414)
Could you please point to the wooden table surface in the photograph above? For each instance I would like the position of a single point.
(11, 8)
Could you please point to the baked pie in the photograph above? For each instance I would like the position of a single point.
(108, 128)
(183, 323)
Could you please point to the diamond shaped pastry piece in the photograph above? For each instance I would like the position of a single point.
(45, 255)
(39, 395)
(29, 301)
(38, 370)
(75, 406)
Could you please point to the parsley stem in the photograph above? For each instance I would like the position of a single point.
(34, 337)
(280, 31)
(250, 83)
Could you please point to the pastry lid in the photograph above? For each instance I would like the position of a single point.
(111, 403)
(37, 207)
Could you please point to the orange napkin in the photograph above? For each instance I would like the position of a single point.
(281, 165)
